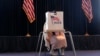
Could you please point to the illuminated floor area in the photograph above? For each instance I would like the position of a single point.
(67, 53)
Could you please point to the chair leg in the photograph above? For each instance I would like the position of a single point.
(41, 45)
(72, 43)
(38, 41)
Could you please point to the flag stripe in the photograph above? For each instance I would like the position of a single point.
(30, 13)
(87, 8)
(28, 7)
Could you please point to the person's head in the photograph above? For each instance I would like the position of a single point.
(54, 33)
(57, 33)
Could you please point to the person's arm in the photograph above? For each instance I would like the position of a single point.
(49, 36)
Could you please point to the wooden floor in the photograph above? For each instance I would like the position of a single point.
(67, 53)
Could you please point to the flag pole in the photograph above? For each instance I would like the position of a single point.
(86, 33)
(28, 8)
(87, 8)
(28, 34)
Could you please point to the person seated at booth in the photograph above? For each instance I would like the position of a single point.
(55, 40)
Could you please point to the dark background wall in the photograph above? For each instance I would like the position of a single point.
(13, 21)
(14, 24)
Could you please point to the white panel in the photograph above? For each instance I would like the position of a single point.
(54, 22)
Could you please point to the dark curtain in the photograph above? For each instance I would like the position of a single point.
(13, 21)
(14, 24)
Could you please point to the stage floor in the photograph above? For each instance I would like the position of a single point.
(67, 53)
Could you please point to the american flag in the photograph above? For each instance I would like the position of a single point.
(28, 7)
(54, 18)
(87, 8)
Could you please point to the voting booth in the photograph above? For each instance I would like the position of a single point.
(54, 21)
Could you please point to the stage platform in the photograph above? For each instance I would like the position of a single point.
(67, 53)
(29, 44)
